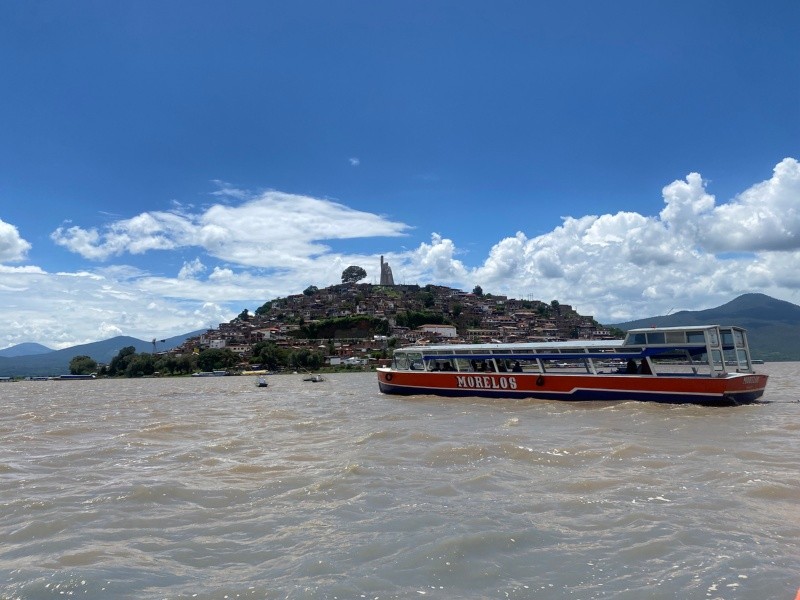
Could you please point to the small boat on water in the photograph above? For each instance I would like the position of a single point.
(261, 382)
(704, 364)
(315, 378)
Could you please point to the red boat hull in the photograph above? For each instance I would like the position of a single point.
(731, 389)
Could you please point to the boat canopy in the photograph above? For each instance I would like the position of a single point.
(721, 348)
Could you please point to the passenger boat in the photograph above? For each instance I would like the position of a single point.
(704, 364)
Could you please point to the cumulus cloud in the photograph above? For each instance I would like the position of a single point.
(764, 217)
(192, 269)
(436, 261)
(629, 265)
(12, 247)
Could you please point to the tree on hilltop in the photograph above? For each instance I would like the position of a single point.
(353, 274)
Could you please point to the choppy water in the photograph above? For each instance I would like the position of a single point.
(214, 488)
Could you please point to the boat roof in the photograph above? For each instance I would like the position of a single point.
(684, 328)
(561, 346)
(595, 344)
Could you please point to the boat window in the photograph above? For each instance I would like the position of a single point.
(415, 360)
(713, 338)
(716, 359)
(741, 355)
(727, 338)
(408, 360)
(739, 336)
(462, 364)
(636, 338)
(675, 337)
(656, 337)
(695, 337)
(401, 361)
(730, 356)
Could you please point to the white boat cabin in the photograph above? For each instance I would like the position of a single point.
(694, 350)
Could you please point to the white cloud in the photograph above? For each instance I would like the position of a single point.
(227, 191)
(65, 309)
(23, 269)
(764, 217)
(436, 262)
(696, 253)
(12, 247)
(272, 230)
(686, 201)
(354, 161)
(192, 269)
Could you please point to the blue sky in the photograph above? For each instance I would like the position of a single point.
(164, 165)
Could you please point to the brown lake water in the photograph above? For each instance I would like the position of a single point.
(214, 488)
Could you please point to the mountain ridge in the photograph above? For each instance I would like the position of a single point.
(25, 349)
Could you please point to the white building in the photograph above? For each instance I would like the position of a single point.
(447, 331)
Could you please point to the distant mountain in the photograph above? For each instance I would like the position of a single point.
(26, 349)
(773, 326)
(56, 362)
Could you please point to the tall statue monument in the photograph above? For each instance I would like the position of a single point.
(386, 273)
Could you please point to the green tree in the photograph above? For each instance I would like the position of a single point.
(305, 358)
(82, 365)
(264, 308)
(413, 318)
(120, 362)
(244, 315)
(269, 355)
(141, 365)
(477, 290)
(215, 359)
(168, 364)
(187, 364)
(310, 290)
(353, 274)
(338, 327)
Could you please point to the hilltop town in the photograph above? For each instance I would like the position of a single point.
(349, 325)
(353, 323)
